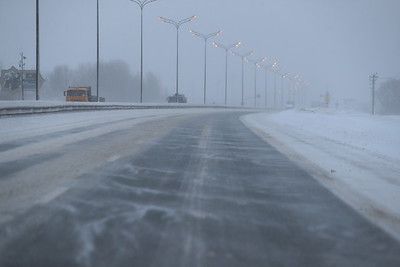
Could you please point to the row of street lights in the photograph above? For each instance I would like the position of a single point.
(243, 57)
(177, 25)
(272, 66)
(259, 63)
(205, 38)
(142, 4)
(228, 49)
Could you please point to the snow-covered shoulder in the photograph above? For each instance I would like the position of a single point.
(358, 155)
(376, 134)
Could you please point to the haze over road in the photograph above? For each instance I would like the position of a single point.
(190, 188)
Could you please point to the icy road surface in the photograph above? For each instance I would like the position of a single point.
(192, 189)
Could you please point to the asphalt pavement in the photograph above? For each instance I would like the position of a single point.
(202, 190)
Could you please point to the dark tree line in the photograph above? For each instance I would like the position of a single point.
(117, 84)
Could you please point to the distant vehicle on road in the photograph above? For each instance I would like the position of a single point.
(81, 94)
(177, 98)
(289, 105)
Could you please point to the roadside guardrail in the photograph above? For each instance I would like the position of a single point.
(43, 107)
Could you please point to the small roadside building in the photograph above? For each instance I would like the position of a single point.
(11, 84)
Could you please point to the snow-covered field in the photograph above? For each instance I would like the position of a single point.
(355, 155)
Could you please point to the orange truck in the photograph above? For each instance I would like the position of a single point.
(81, 94)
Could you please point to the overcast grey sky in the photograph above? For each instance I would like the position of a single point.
(334, 44)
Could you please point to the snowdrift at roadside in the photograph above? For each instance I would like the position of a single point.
(355, 155)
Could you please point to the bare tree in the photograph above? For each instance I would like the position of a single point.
(116, 82)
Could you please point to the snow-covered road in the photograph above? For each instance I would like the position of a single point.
(356, 155)
(28, 142)
(192, 189)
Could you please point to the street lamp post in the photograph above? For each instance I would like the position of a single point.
(275, 74)
(142, 4)
(205, 37)
(256, 66)
(266, 85)
(374, 77)
(293, 91)
(292, 88)
(243, 58)
(283, 77)
(227, 49)
(98, 53)
(37, 50)
(22, 65)
(177, 25)
(275, 69)
(296, 82)
(305, 86)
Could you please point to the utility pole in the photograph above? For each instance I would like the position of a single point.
(374, 77)
(22, 65)
(98, 53)
(37, 50)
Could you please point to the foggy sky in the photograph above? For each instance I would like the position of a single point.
(335, 45)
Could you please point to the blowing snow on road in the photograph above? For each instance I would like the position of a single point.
(149, 133)
(187, 188)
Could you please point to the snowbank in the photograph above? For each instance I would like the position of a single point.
(356, 155)
(12, 104)
(376, 134)
(10, 108)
